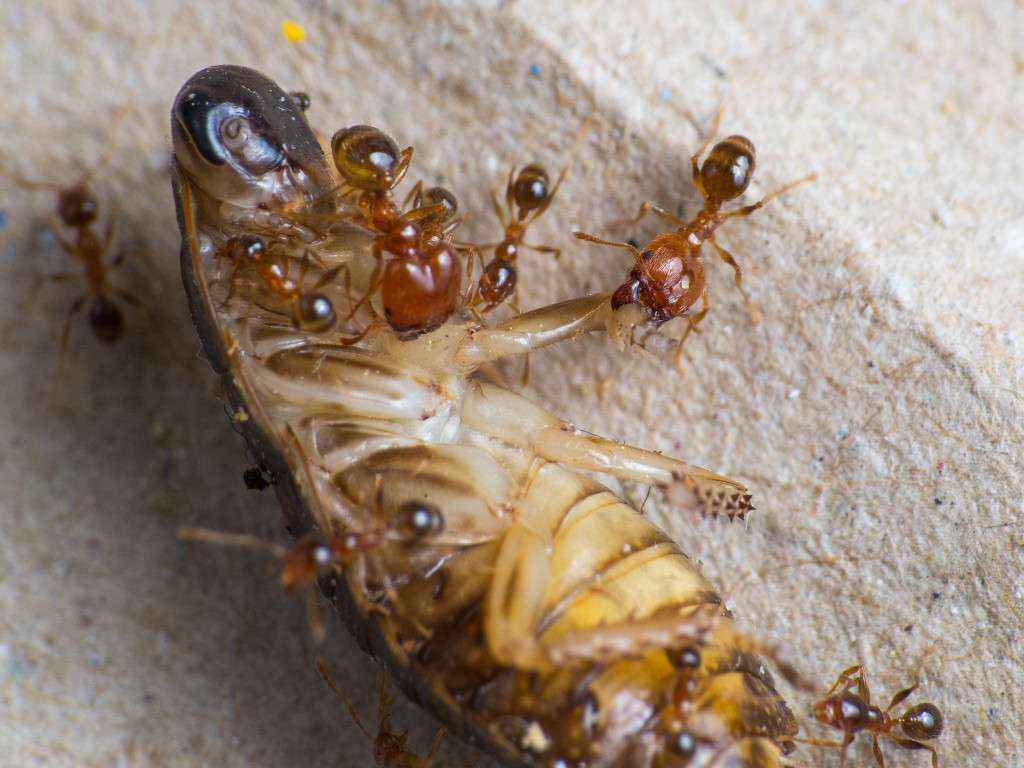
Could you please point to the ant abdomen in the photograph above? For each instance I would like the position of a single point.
(105, 319)
(419, 292)
(922, 721)
(728, 169)
(498, 281)
(531, 189)
(315, 313)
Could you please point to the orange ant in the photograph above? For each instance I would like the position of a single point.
(853, 712)
(668, 276)
(389, 750)
(310, 310)
(420, 286)
(77, 209)
(527, 196)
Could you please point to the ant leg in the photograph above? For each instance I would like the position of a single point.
(425, 762)
(65, 333)
(912, 744)
(877, 752)
(707, 137)
(498, 210)
(692, 321)
(404, 158)
(488, 410)
(415, 195)
(321, 668)
(746, 210)
(243, 540)
(646, 207)
(728, 258)
(900, 696)
(509, 197)
(556, 252)
(846, 679)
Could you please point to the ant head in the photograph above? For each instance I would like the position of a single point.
(105, 319)
(368, 159)
(443, 197)
(531, 188)
(244, 248)
(77, 206)
(316, 313)
(846, 711)
(727, 170)
(923, 721)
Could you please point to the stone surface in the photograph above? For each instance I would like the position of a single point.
(876, 411)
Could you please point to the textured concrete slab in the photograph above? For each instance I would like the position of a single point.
(876, 411)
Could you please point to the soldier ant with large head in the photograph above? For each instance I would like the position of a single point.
(668, 278)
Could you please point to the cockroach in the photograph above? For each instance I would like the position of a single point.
(852, 713)
(538, 614)
(78, 211)
(668, 278)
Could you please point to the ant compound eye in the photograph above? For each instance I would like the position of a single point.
(923, 721)
(727, 171)
(366, 157)
(300, 99)
(531, 187)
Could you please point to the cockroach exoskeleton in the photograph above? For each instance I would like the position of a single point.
(668, 277)
(77, 210)
(528, 194)
(517, 597)
(389, 747)
(852, 712)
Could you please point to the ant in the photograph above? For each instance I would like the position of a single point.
(852, 713)
(420, 285)
(77, 210)
(389, 750)
(668, 276)
(527, 196)
(310, 310)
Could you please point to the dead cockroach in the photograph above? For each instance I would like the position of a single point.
(542, 616)
(668, 277)
(77, 210)
(528, 194)
(389, 750)
(853, 713)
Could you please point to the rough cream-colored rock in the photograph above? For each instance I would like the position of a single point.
(876, 411)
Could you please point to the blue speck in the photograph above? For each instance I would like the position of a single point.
(3, 219)
(664, 94)
(535, 70)
(842, 433)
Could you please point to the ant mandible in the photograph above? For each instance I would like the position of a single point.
(389, 747)
(77, 209)
(668, 276)
(853, 712)
(528, 195)
(420, 285)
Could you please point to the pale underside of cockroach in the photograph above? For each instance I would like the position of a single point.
(546, 620)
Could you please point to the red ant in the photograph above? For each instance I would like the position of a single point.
(77, 210)
(527, 196)
(668, 276)
(853, 712)
(389, 750)
(420, 286)
(310, 310)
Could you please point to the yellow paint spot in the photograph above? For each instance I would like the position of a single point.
(293, 31)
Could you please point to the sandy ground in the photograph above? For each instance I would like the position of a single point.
(876, 411)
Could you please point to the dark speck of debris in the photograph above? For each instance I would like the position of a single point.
(938, 502)
(713, 66)
(871, 364)
(936, 595)
(257, 479)
(992, 712)
(535, 70)
(908, 628)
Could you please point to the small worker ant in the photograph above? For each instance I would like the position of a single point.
(77, 210)
(527, 196)
(668, 275)
(389, 747)
(852, 713)
(420, 285)
(310, 310)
